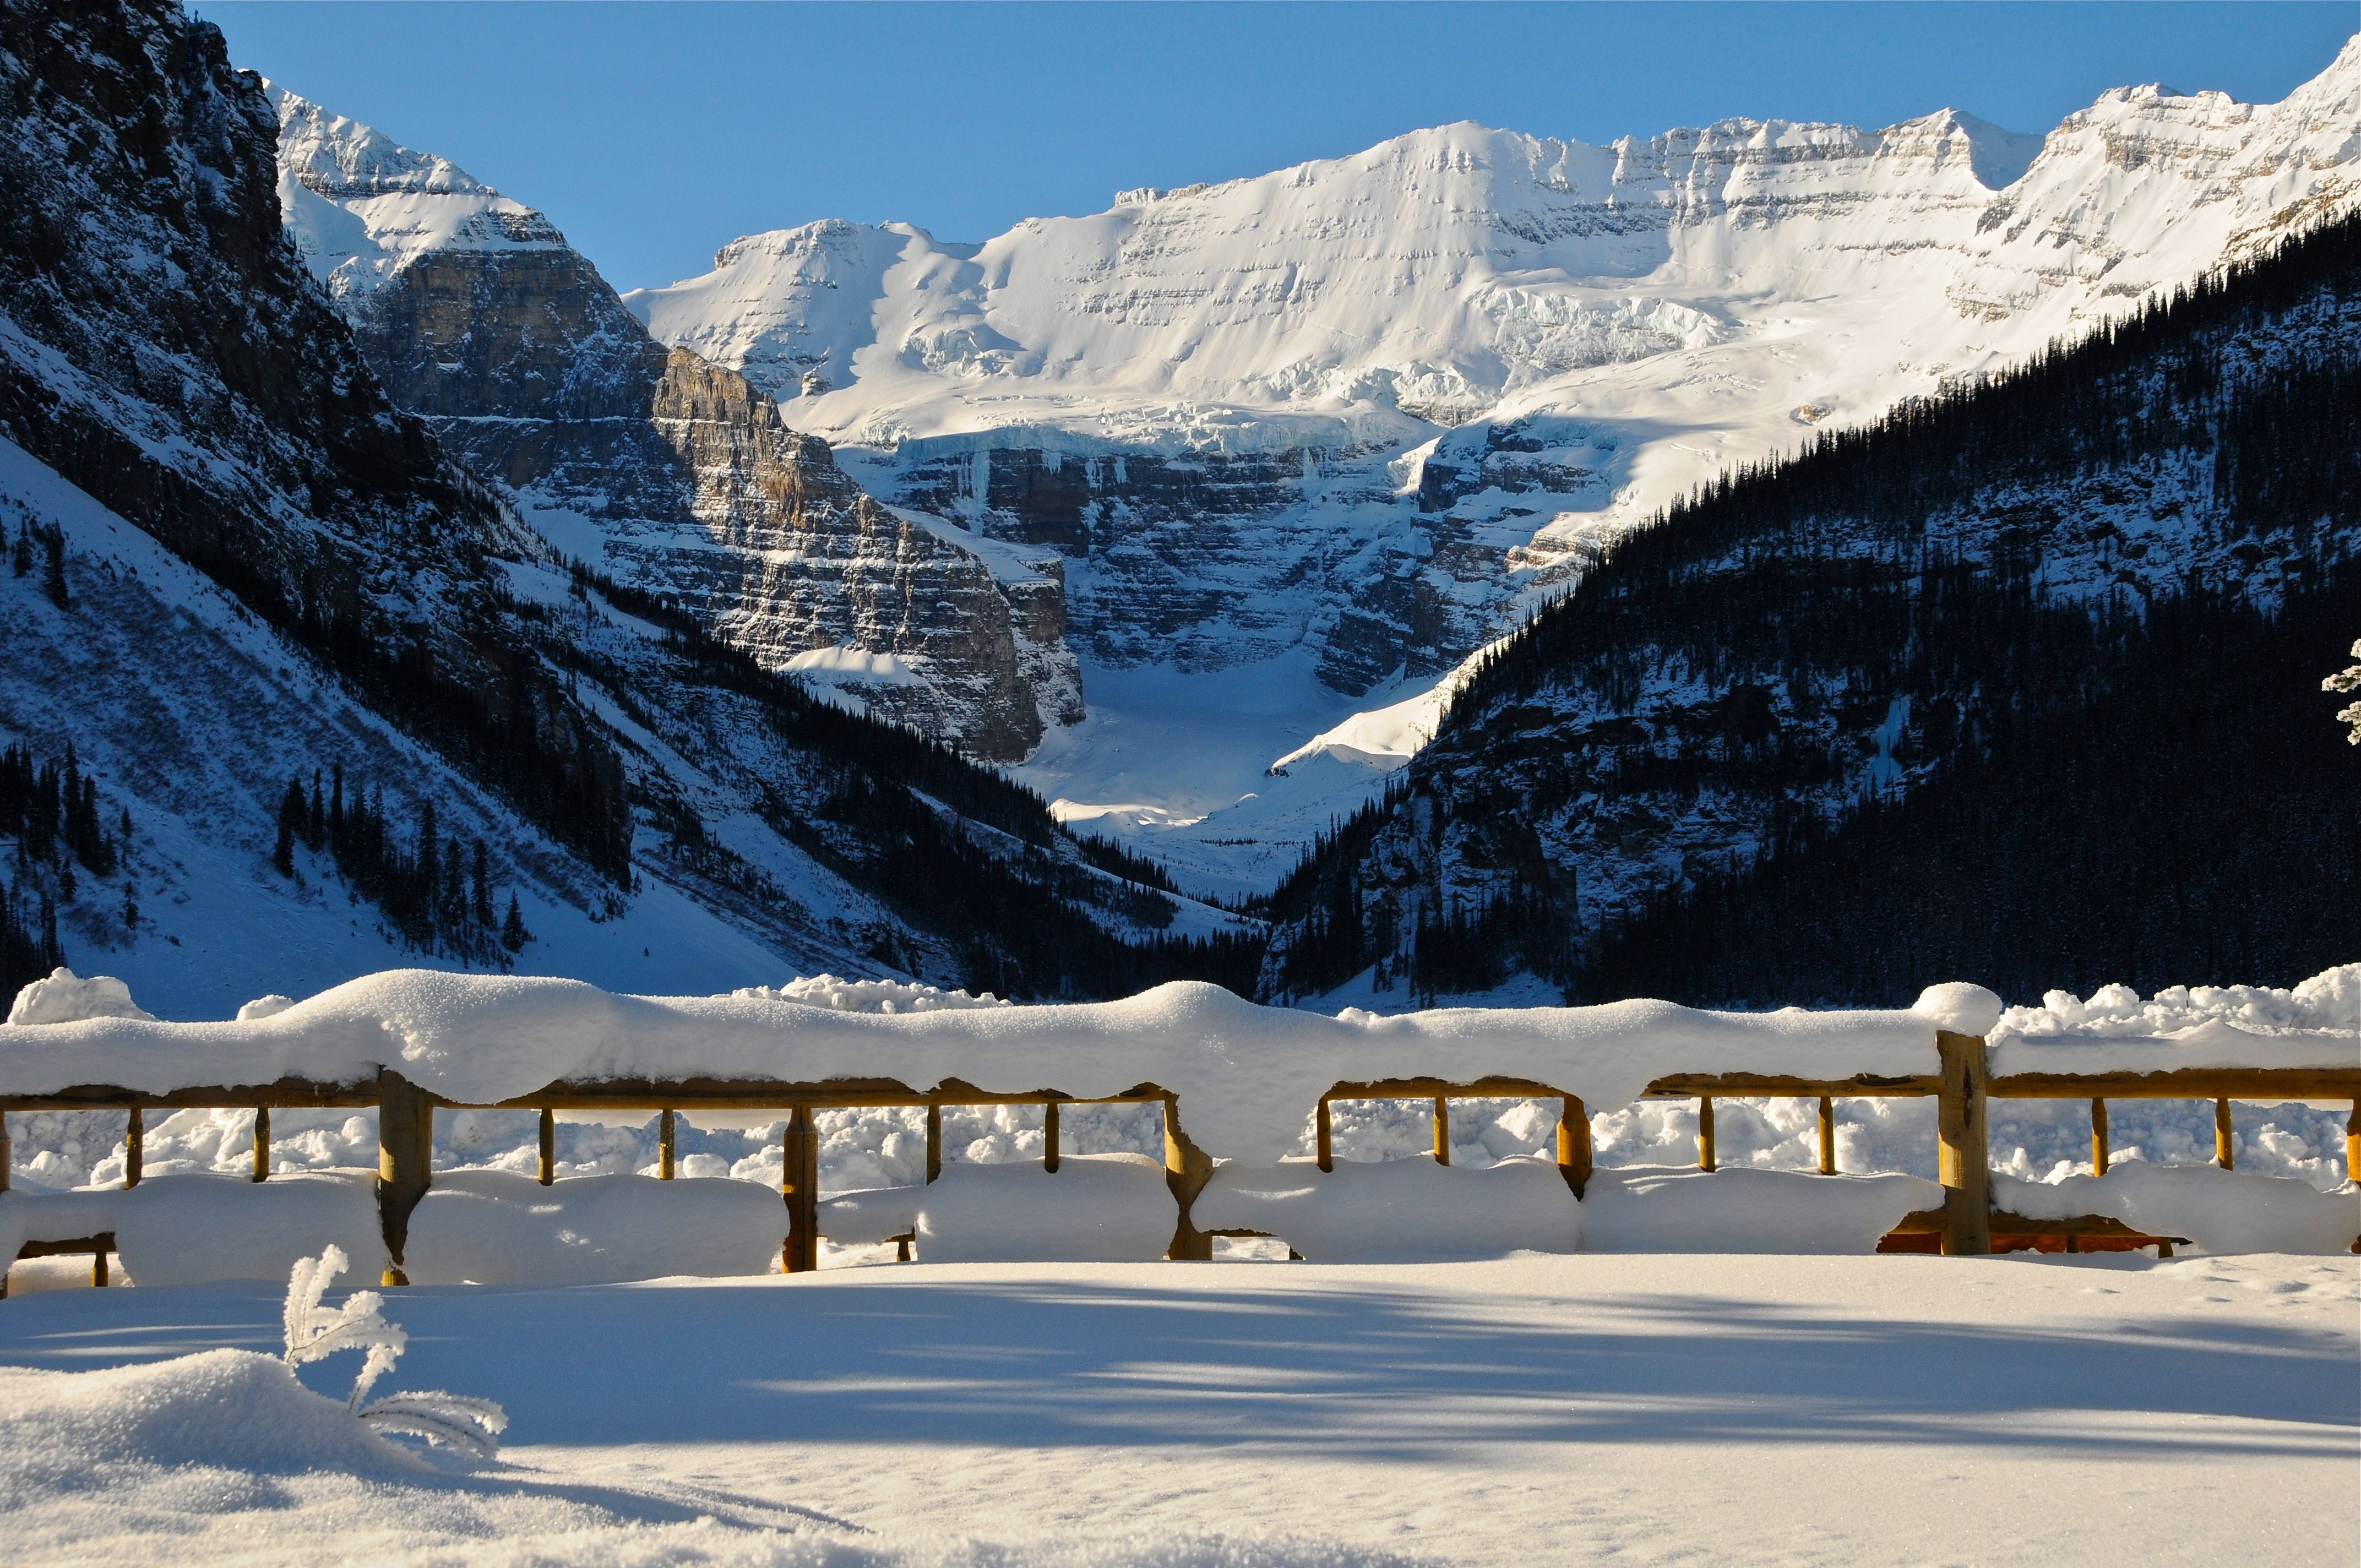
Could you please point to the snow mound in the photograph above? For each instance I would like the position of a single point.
(66, 998)
(2317, 1023)
(190, 1230)
(2329, 999)
(496, 1227)
(1746, 1211)
(269, 1006)
(1398, 1207)
(882, 996)
(233, 1409)
(1959, 1008)
(2221, 1211)
(1093, 1209)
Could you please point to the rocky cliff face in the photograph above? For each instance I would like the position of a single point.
(164, 351)
(668, 473)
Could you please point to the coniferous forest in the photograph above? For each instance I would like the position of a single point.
(2017, 684)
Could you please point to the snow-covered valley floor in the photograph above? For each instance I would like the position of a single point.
(1529, 1411)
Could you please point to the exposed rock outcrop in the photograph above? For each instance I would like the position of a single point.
(664, 471)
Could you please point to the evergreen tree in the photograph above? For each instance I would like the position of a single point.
(513, 936)
(53, 575)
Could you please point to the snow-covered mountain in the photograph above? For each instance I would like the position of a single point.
(2024, 681)
(253, 565)
(1328, 431)
(664, 470)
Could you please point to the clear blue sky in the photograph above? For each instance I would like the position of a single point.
(653, 134)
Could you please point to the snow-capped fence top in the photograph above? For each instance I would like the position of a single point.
(1248, 1075)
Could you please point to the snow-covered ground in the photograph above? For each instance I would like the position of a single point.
(1642, 1409)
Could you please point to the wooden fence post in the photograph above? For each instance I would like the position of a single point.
(799, 1180)
(934, 1141)
(1966, 1157)
(2352, 1147)
(8, 1161)
(405, 1161)
(1325, 1137)
(2225, 1153)
(1441, 1131)
(134, 1147)
(547, 1170)
(1187, 1169)
(261, 1142)
(1049, 1137)
(2097, 1137)
(664, 1136)
(1707, 1159)
(1574, 1145)
(1828, 1136)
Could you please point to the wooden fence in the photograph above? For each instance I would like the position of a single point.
(1966, 1224)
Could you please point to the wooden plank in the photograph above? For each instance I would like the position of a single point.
(104, 1241)
(1931, 1223)
(934, 1142)
(1706, 1154)
(1827, 1134)
(2267, 1084)
(799, 1183)
(8, 1164)
(743, 1094)
(282, 1092)
(1050, 1131)
(1573, 1150)
(405, 1161)
(261, 1143)
(135, 1148)
(1965, 1158)
(1325, 1137)
(666, 1131)
(1771, 1086)
(2098, 1137)
(1187, 1169)
(545, 1166)
(2225, 1146)
(1431, 1088)
(1441, 1130)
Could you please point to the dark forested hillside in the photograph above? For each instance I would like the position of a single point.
(164, 352)
(2019, 684)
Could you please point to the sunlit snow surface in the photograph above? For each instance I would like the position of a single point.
(1650, 1410)
(1646, 315)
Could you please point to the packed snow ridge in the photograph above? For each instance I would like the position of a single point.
(1246, 1075)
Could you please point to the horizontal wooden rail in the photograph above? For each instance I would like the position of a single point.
(1766, 1086)
(285, 1091)
(98, 1247)
(1967, 1223)
(2269, 1084)
(755, 1094)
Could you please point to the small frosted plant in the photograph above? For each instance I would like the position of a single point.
(2344, 683)
(471, 1427)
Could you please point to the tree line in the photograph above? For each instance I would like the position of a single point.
(434, 890)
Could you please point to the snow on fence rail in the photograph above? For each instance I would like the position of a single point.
(412, 1042)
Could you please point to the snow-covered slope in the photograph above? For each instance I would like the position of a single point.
(255, 568)
(1364, 413)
